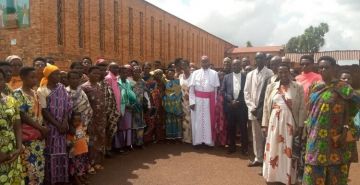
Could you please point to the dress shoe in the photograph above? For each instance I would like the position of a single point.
(254, 164)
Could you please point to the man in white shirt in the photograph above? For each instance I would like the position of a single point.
(203, 85)
(255, 80)
(235, 106)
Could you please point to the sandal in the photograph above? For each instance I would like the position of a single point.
(92, 171)
(98, 167)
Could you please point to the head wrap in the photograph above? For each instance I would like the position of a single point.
(47, 72)
(12, 57)
(100, 60)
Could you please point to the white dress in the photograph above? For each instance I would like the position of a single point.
(278, 164)
(203, 81)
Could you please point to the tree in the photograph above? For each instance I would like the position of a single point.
(248, 44)
(310, 41)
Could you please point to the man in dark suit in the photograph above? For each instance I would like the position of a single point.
(235, 107)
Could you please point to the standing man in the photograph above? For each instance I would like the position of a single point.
(307, 77)
(274, 64)
(255, 80)
(235, 106)
(244, 62)
(203, 85)
(227, 65)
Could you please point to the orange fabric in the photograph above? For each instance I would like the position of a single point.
(47, 72)
(15, 82)
(80, 145)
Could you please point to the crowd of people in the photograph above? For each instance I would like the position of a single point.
(58, 126)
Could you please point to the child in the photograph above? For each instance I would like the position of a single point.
(78, 149)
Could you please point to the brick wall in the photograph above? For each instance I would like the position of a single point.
(155, 34)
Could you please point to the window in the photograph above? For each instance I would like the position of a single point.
(161, 37)
(176, 40)
(152, 36)
(182, 42)
(60, 22)
(116, 26)
(131, 32)
(169, 42)
(81, 23)
(141, 34)
(101, 25)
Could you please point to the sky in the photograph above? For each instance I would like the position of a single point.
(271, 22)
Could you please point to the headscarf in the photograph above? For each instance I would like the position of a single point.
(12, 57)
(47, 72)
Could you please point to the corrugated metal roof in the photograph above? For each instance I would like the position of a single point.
(338, 55)
(256, 49)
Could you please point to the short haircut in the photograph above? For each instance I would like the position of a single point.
(344, 71)
(186, 62)
(92, 68)
(102, 64)
(3, 73)
(74, 72)
(307, 57)
(284, 64)
(329, 59)
(178, 61)
(39, 59)
(5, 64)
(87, 58)
(134, 61)
(170, 65)
(75, 63)
(170, 69)
(25, 71)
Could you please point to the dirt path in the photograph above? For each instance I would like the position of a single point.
(179, 164)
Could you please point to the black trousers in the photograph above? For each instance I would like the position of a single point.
(237, 118)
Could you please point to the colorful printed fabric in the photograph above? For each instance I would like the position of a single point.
(326, 175)
(173, 108)
(330, 109)
(80, 103)
(128, 97)
(138, 123)
(59, 106)
(33, 161)
(79, 165)
(278, 163)
(33, 157)
(112, 114)
(10, 173)
(97, 128)
(186, 121)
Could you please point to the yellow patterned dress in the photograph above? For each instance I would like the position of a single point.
(33, 156)
(10, 173)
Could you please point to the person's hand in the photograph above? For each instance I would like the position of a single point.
(192, 107)
(264, 131)
(253, 112)
(44, 131)
(13, 156)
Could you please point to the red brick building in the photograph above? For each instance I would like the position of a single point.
(119, 30)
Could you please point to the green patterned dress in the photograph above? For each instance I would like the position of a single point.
(33, 157)
(10, 173)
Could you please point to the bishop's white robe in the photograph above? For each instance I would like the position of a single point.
(203, 84)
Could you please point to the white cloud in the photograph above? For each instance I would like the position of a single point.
(271, 22)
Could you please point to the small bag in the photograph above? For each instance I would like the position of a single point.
(29, 133)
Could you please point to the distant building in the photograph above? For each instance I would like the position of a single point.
(250, 52)
(344, 57)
